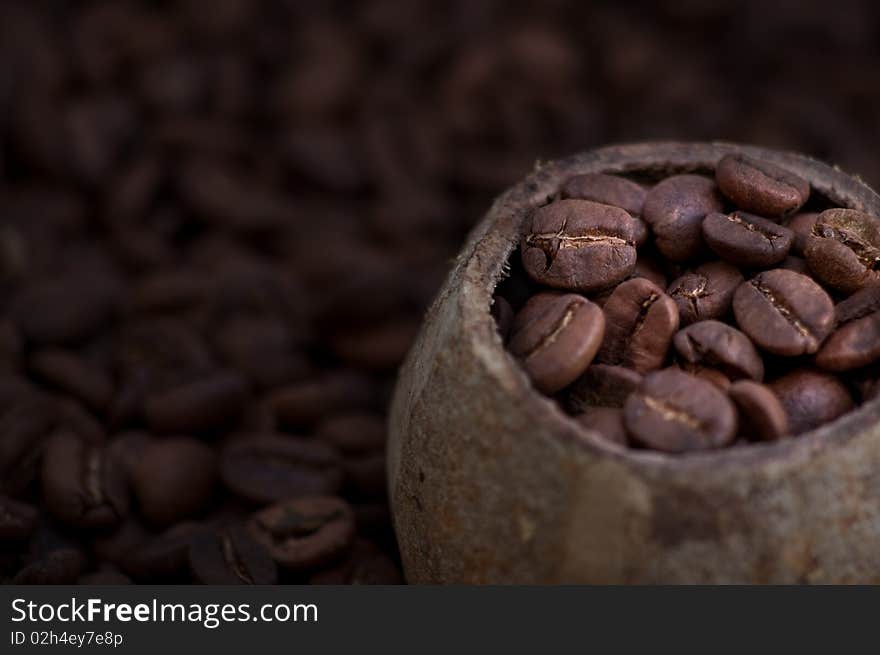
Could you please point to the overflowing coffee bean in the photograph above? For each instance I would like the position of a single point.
(744, 345)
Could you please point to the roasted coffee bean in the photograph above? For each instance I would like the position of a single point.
(601, 385)
(354, 432)
(712, 344)
(174, 479)
(761, 415)
(199, 406)
(746, 240)
(796, 264)
(649, 268)
(269, 468)
(608, 190)
(676, 412)
(503, 313)
(57, 567)
(164, 557)
(606, 421)
(72, 374)
(83, 485)
(113, 547)
(713, 376)
(706, 292)
(811, 399)
(262, 348)
(759, 186)
(230, 556)
(844, 249)
(305, 534)
(17, 519)
(304, 403)
(62, 311)
(365, 475)
(104, 577)
(856, 341)
(801, 225)
(11, 346)
(556, 336)
(579, 245)
(376, 348)
(25, 423)
(783, 312)
(640, 322)
(365, 565)
(675, 210)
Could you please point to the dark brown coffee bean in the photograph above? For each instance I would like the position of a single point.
(761, 415)
(649, 268)
(113, 547)
(676, 412)
(706, 292)
(25, 423)
(199, 406)
(608, 190)
(378, 348)
(601, 385)
(174, 479)
(502, 312)
(365, 475)
(11, 346)
(783, 312)
(354, 432)
(262, 348)
(83, 485)
(640, 321)
(556, 336)
(746, 240)
(74, 375)
(796, 264)
(57, 567)
(713, 376)
(712, 344)
(230, 556)
(801, 225)
(269, 468)
(759, 186)
(844, 249)
(63, 311)
(856, 341)
(304, 403)
(104, 577)
(365, 565)
(305, 534)
(579, 245)
(675, 209)
(163, 558)
(17, 519)
(811, 399)
(606, 421)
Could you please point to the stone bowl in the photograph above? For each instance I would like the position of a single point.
(490, 482)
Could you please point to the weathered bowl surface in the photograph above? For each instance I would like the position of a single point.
(491, 483)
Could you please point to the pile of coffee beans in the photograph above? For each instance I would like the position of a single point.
(697, 311)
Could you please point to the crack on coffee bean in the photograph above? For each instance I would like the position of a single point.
(232, 558)
(786, 313)
(92, 476)
(672, 413)
(553, 335)
(868, 255)
(642, 317)
(751, 227)
(693, 296)
(297, 525)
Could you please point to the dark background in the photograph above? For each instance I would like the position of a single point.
(320, 162)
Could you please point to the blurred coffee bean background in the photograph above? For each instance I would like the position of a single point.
(221, 222)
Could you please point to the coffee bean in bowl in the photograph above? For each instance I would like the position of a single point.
(714, 434)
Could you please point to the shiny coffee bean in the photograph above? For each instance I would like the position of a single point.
(705, 292)
(174, 479)
(711, 375)
(556, 336)
(230, 556)
(783, 312)
(801, 225)
(675, 412)
(856, 341)
(811, 399)
(606, 421)
(608, 190)
(199, 406)
(761, 414)
(759, 186)
(601, 385)
(640, 322)
(74, 375)
(579, 245)
(17, 519)
(269, 468)
(305, 534)
(844, 249)
(675, 210)
(746, 240)
(83, 485)
(716, 345)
